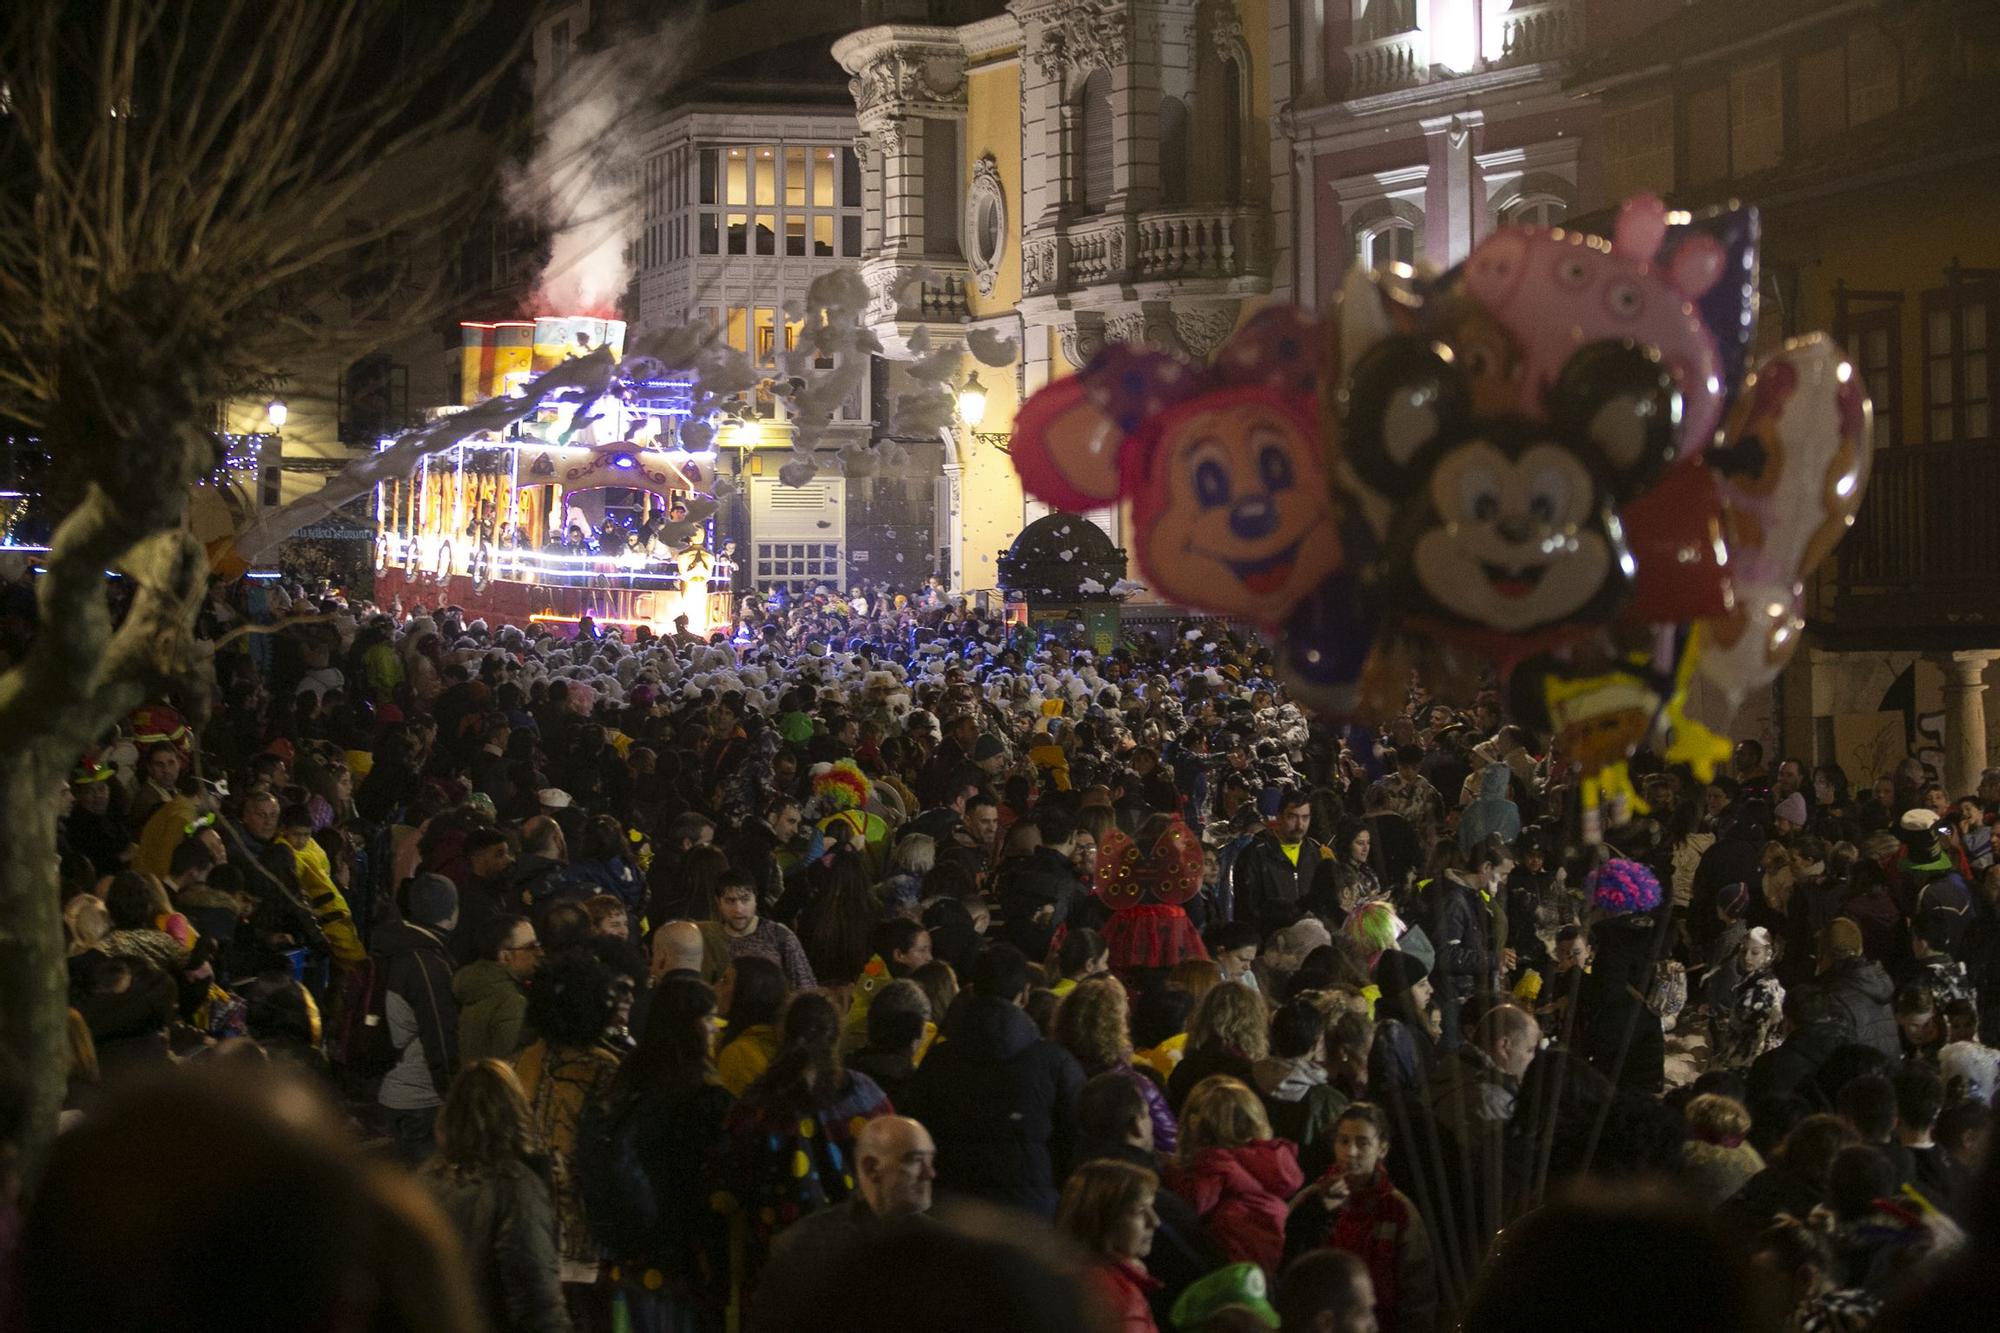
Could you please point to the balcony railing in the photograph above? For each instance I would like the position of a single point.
(912, 290)
(1189, 243)
(1386, 63)
(1925, 548)
(1548, 30)
(1216, 242)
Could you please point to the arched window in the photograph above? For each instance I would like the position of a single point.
(1218, 102)
(1534, 210)
(1391, 240)
(1174, 152)
(1093, 142)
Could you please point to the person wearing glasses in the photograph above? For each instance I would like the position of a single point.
(492, 991)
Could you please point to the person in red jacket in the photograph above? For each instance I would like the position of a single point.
(1107, 1206)
(1240, 1180)
(1355, 1209)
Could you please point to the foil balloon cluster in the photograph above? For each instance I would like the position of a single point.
(1227, 476)
(1558, 463)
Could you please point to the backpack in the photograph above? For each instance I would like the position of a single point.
(619, 1205)
(357, 1038)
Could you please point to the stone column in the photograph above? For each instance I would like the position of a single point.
(1964, 719)
(1454, 194)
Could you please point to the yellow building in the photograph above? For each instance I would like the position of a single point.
(1866, 135)
(1063, 174)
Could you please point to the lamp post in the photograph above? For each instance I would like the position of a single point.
(972, 410)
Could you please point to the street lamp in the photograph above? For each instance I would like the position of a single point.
(972, 400)
(277, 412)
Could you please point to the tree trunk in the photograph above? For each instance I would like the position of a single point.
(34, 980)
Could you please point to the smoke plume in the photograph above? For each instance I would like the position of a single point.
(583, 181)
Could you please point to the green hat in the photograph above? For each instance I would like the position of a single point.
(1237, 1287)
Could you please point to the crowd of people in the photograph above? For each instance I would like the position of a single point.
(886, 966)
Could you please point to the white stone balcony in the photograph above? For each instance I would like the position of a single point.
(1212, 242)
(1543, 30)
(909, 289)
(1199, 243)
(1387, 63)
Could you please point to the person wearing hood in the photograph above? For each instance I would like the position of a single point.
(1300, 1101)
(1858, 989)
(1492, 812)
(999, 1099)
(421, 1013)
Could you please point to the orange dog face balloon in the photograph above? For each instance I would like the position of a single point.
(1223, 466)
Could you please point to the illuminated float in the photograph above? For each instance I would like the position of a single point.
(577, 510)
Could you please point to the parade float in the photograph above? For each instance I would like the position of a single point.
(573, 510)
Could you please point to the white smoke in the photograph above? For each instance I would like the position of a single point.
(582, 183)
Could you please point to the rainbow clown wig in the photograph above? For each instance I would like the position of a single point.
(840, 786)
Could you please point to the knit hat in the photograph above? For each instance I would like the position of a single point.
(987, 747)
(1733, 898)
(1621, 888)
(1396, 972)
(433, 900)
(555, 798)
(1792, 810)
(1843, 938)
(1237, 1287)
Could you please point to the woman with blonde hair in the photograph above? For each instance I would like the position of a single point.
(87, 922)
(1239, 1179)
(1107, 1207)
(1094, 1025)
(487, 1178)
(1229, 1033)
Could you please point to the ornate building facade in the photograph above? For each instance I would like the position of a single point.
(1064, 173)
(1417, 126)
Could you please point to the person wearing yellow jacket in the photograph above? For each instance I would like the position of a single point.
(315, 879)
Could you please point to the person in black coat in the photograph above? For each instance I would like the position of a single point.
(1457, 919)
(668, 1086)
(1858, 990)
(1619, 1034)
(1116, 1127)
(998, 1098)
(1736, 857)
(1272, 878)
(1036, 891)
(1792, 1068)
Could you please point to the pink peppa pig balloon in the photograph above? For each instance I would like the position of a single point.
(1556, 291)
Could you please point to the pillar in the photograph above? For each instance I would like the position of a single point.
(1454, 193)
(1964, 719)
